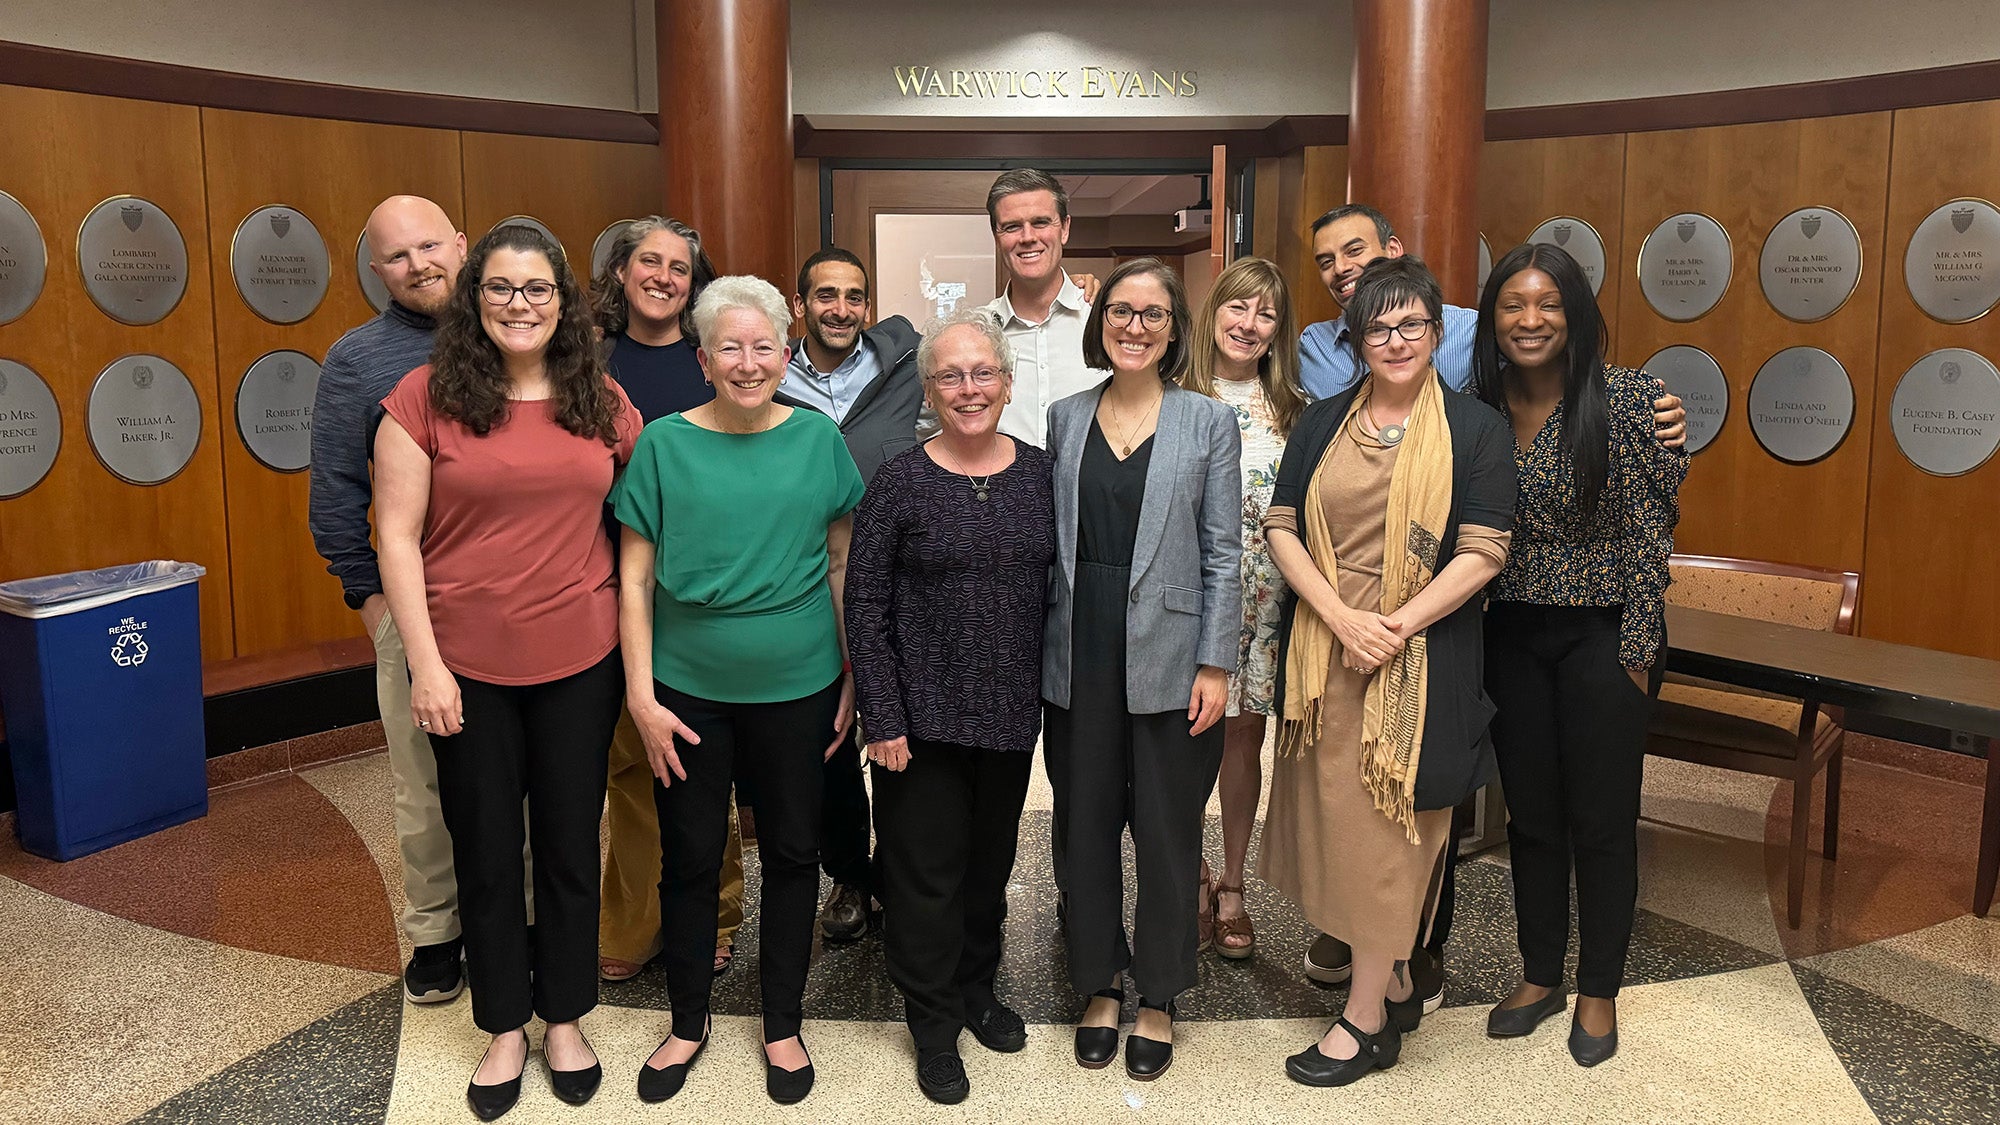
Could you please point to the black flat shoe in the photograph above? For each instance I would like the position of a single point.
(788, 1087)
(1512, 1023)
(1147, 1059)
(659, 1084)
(998, 1028)
(576, 1086)
(1588, 1049)
(489, 1102)
(1378, 1052)
(1097, 1046)
(942, 1078)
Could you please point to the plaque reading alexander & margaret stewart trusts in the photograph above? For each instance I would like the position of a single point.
(30, 429)
(1810, 264)
(1946, 412)
(534, 224)
(133, 260)
(600, 250)
(24, 259)
(274, 409)
(1953, 264)
(1801, 405)
(145, 420)
(280, 264)
(1580, 240)
(1684, 266)
(1694, 375)
(372, 289)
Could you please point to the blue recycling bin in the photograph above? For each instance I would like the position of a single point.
(100, 682)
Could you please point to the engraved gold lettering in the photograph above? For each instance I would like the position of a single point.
(910, 80)
(1056, 79)
(1091, 87)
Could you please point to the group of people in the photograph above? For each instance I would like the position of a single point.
(641, 554)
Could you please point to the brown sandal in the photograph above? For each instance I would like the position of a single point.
(1204, 914)
(613, 970)
(1234, 927)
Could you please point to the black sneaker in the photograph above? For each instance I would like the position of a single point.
(434, 974)
(844, 918)
(942, 1078)
(1427, 979)
(1329, 961)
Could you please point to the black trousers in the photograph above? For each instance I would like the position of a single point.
(772, 752)
(843, 833)
(948, 824)
(1571, 739)
(548, 743)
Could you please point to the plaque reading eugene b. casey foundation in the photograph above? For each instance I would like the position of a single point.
(133, 260)
(1946, 412)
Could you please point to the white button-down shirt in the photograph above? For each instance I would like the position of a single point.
(1048, 361)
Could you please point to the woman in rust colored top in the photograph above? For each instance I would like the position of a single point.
(491, 472)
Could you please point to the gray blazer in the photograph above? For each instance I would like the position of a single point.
(1187, 593)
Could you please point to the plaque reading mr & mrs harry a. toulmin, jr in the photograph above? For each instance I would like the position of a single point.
(1684, 266)
(1946, 412)
(30, 429)
(1810, 264)
(1694, 375)
(1801, 405)
(133, 260)
(145, 420)
(1580, 240)
(274, 409)
(24, 259)
(1953, 264)
(280, 264)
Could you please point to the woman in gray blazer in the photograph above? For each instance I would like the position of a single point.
(1141, 638)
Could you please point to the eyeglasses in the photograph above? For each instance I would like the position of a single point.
(501, 293)
(1153, 317)
(952, 380)
(1375, 335)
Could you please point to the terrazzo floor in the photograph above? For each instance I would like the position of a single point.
(242, 968)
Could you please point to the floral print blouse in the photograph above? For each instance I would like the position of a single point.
(1252, 687)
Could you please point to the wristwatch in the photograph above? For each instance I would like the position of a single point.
(354, 598)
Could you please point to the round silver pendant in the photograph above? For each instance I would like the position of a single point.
(1390, 435)
(979, 494)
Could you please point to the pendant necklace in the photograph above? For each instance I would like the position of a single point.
(1388, 435)
(1134, 427)
(979, 486)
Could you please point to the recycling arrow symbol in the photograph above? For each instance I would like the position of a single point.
(130, 649)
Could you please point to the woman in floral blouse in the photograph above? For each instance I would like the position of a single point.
(1251, 363)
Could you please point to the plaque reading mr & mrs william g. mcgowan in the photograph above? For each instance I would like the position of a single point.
(145, 420)
(30, 429)
(1580, 240)
(24, 259)
(1946, 412)
(1953, 264)
(274, 409)
(133, 260)
(280, 264)
(1694, 375)
(1801, 405)
(1810, 264)
(1684, 266)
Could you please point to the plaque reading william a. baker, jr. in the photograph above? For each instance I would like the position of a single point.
(30, 429)
(1946, 412)
(133, 260)
(1810, 264)
(1801, 405)
(1580, 240)
(1684, 266)
(1953, 264)
(372, 289)
(145, 420)
(24, 259)
(1694, 375)
(280, 264)
(274, 409)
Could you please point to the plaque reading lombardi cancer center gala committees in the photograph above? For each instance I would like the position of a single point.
(1580, 240)
(1694, 375)
(274, 409)
(1684, 266)
(133, 260)
(1801, 405)
(24, 260)
(30, 429)
(145, 420)
(1953, 264)
(1810, 264)
(1946, 412)
(280, 264)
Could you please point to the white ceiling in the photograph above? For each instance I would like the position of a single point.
(1093, 196)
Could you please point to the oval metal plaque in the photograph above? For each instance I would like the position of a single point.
(274, 409)
(1582, 242)
(1485, 265)
(600, 250)
(372, 289)
(30, 429)
(1684, 266)
(1694, 375)
(280, 264)
(1801, 405)
(1953, 264)
(133, 260)
(24, 261)
(1946, 412)
(532, 223)
(1810, 264)
(145, 420)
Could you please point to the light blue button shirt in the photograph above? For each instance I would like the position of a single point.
(1327, 365)
(832, 393)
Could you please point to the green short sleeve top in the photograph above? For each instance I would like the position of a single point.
(742, 612)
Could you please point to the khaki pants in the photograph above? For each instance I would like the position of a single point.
(629, 913)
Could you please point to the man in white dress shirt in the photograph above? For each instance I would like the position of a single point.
(1042, 309)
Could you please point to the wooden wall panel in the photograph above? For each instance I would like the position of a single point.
(1932, 541)
(1322, 187)
(76, 150)
(334, 173)
(1524, 183)
(577, 188)
(805, 209)
(1739, 500)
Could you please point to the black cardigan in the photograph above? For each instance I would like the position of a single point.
(1457, 753)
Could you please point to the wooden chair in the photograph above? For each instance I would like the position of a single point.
(1738, 729)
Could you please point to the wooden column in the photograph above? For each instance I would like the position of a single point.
(726, 129)
(1416, 125)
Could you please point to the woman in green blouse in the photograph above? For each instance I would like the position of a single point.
(736, 527)
(1575, 625)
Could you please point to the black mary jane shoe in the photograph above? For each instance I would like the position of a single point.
(489, 1102)
(1588, 1049)
(941, 1077)
(657, 1084)
(1512, 1023)
(576, 1086)
(1097, 1046)
(788, 1087)
(1378, 1052)
(1147, 1059)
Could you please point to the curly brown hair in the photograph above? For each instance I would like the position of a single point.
(468, 379)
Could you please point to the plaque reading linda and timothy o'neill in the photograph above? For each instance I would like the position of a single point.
(280, 264)
(24, 260)
(145, 420)
(133, 260)
(600, 250)
(274, 409)
(1684, 266)
(1953, 264)
(1810, 264)
(1694, 375)
(1946, 412)
(372, 289)
(30, 429)
(1801, 405)
(1580, 240)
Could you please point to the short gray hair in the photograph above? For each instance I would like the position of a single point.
(741, 291)
(988, 326)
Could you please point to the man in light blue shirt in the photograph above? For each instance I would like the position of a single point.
(1344, 240)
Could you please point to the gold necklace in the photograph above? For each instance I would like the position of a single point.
(1134, 427)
